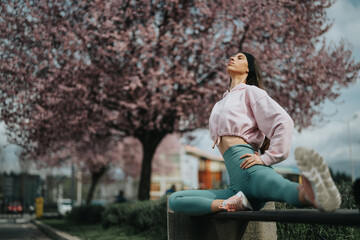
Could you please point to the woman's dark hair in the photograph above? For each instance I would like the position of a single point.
(255, 78)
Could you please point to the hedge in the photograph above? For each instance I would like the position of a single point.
(141, 216)
(86, 214)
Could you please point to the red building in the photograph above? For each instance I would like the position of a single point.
(212, 171)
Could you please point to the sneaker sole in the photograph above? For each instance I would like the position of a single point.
(245, 202)
(315, 169)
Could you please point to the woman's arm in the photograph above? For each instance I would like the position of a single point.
(277, 125)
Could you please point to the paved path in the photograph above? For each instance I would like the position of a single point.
(21, 231)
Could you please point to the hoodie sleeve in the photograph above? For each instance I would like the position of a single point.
(277, 125)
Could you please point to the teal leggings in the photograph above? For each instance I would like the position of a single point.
(259, 183)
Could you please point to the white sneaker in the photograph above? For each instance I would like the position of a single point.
(315, 170)
(238, 202)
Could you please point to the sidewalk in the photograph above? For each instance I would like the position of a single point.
(16, 218)
(27, 218)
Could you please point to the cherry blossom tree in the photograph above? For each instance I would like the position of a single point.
(131, 154)
(76, 71)
(95, 157)
(163, 162)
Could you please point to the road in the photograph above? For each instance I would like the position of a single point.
(19, 227)
(21, 231)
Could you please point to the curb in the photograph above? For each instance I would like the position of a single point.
(53, 233)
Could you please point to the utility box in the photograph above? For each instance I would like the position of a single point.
(39, 209)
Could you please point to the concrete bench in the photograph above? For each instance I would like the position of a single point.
(211, 227)
(251, 224)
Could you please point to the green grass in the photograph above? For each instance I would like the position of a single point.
(96, 231)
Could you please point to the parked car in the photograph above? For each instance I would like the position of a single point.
(64, 206)
(15, 207)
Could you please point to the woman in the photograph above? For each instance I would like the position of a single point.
(238, 125)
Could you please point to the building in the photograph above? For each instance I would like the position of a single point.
(194, 169)
(23, 188)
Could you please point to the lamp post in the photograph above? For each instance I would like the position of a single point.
(355, 116)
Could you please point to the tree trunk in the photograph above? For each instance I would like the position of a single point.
(95, 177)
(150, 141)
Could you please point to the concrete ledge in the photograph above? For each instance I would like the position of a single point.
(53, 233)
(182, 226)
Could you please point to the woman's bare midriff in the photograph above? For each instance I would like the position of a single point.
(227, 141)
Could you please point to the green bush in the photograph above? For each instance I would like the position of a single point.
(298, 231)
(86, 214)
(140, 216)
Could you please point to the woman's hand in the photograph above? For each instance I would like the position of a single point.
(251, 160)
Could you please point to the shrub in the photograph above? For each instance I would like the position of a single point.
(141, 216)
(86, 214)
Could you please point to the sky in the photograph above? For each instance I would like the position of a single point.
(330, 139)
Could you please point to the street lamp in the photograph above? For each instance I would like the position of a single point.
(355, 116)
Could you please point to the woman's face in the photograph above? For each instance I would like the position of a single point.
(238, 64)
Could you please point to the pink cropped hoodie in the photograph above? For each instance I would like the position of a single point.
(250, 113)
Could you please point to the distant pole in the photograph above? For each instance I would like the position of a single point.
(353, 117)
(72, 184)
(79, 187)
(350, 153)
